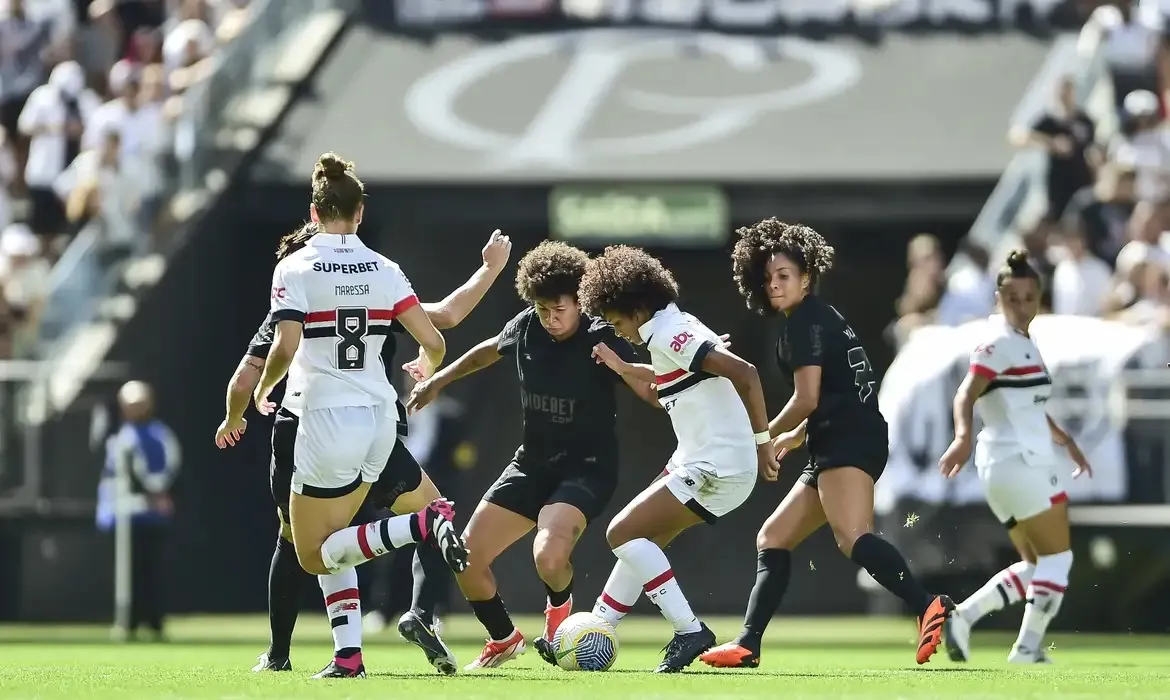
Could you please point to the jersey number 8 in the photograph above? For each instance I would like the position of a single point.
(862, 372)
(351, 327)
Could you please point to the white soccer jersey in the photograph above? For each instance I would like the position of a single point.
(708, 416)
(347, 296)
(1015, 424)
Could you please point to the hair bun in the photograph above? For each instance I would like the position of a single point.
(331, 166)
(1018, 260)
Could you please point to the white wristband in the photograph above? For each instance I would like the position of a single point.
(763, 437)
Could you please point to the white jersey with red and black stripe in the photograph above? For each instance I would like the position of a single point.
(347, 296)
(709, 418)
(1015, 423)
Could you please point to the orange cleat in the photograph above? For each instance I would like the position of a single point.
(496, 654)
(930, 627)
(731, 655)
(553, 617)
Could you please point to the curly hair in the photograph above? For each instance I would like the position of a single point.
(759, 242)
(292, 242)
(549, 271)
(626, 280)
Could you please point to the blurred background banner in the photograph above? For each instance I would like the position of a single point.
(923, 139)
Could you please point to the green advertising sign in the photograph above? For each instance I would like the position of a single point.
(670, 215)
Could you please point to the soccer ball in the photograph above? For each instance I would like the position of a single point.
(585, 642)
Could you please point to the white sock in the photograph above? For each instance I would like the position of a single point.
(619, 595)
(343, 605)
(650, 564)
(1045, 594)
(356, 545)
(1005, 588)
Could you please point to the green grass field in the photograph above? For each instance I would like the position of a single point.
(210, 657)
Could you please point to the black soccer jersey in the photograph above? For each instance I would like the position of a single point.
(816, 334)
(568, 398)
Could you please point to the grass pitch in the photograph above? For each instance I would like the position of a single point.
(805, 659)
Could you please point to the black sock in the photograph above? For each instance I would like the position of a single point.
(559, 598)
(285, 580)
(885, 563)
(347, 652)
(773, 570)
(431, 575)
(494, 617)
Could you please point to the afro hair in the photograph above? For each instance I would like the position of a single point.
(549, 271)
(759, 242)
(625, 280)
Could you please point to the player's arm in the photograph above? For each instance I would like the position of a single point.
(807, 360)
(451, 311)
(430, 340)
(483, 355)
(640, 379)
(242, 384)
(284, 345)
(287, 312)
(715, 359)
(986, 364)
(1062, 438)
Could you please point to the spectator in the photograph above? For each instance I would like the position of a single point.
(1067, 134)
(1103, 210)
(924, 284)
(1136, 56)
(1081, 281)
(24, 42)
(55, 118)
(102, 184)
(970, 290)
(125, 20)
(25, 276)
(8, 174)
(146, 451)
(1146, 145)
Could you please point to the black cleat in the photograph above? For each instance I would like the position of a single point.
(438, 531)
(685, 648)
(269, 663)
(414, 630)
(336, 670)
(545, 649)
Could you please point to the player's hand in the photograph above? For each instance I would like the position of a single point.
(416, 367)
(603, 354)
(725, 339)
(784, 443)
(495, 253)
(230, 431)
(260, 398)
(955, 457)
(422, 394)
(1078, 458)
(766, 462)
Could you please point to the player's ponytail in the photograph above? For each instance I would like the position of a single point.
(337, 191)
(1017, 266)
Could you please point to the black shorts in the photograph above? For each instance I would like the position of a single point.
(864, 444)
(527, 485)
(401, 475)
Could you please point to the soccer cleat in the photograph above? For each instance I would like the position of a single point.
(414, 630)
(930, 627)
(496, 654)
(336, 670)
(268, 663)
(545, 649)
(1022, 655)
(731, 655)
(553, 617)
(438, 531)
(957, 637)
(684, 648)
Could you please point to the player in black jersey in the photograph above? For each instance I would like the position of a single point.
(777, 267)
(403, 486)
(565, 471)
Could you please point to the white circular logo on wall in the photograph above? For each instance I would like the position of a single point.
(554, 136)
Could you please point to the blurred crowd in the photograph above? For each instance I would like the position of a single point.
(1103, 242)
(90, 91)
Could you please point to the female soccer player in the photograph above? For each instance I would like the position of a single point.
(403, 486)
(1018, 464)
(777, 267)
(565, 472)
(715, 403)
(341, 298)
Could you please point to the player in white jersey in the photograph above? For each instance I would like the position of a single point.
(333, 303)
(1023, 476)
(716, 405)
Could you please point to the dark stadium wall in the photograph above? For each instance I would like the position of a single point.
(191, 332)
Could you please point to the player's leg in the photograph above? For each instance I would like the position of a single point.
(1005, 588)
(798, 516)
(286, 578)
(689, 495)
(847, 499)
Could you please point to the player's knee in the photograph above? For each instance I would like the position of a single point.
(551, 556)
(618, 533)
(847, 536)
(310, 560)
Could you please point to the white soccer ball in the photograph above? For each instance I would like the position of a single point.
(585, 642)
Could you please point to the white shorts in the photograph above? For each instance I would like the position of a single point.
(708, 495)
(1017, 491)
(338, 448)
